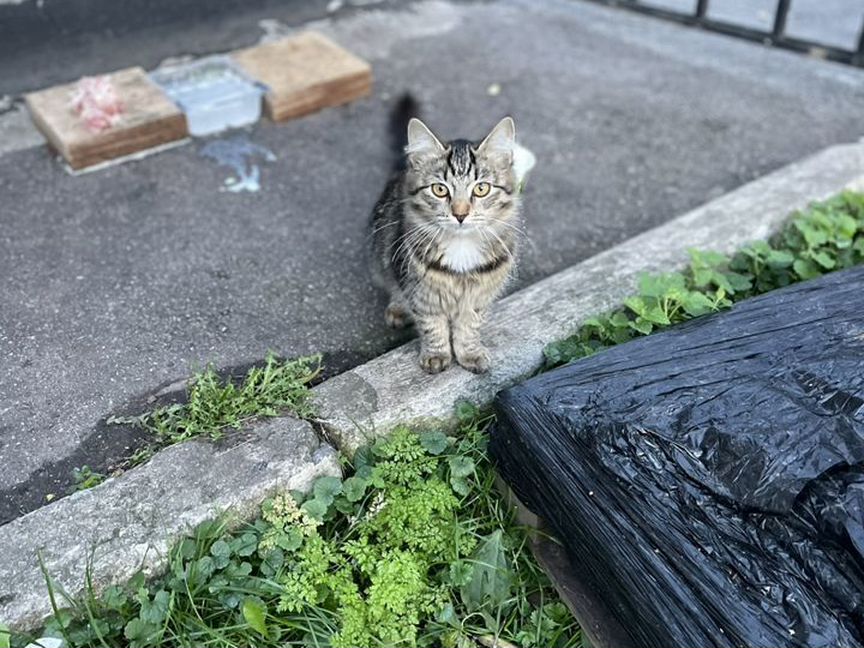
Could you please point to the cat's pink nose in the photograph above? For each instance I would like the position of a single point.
(460, 210)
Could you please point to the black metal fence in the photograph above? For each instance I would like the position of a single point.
(777, 36)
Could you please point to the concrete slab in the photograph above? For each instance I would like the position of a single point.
(118, 282)
(130, 523)
(371, 399)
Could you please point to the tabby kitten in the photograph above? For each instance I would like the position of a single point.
(444, 240)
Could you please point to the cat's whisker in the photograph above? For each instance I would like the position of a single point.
(410, 242)
(504, 245)
(432, 242)
(408, 235)
(523, 233)
(507, 224)
(385, 226)
(417, 237)
(431, 236)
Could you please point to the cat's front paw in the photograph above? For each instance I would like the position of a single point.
(434, 362)
(396, 317)
(475, 361)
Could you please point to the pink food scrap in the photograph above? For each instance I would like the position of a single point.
(95, 101)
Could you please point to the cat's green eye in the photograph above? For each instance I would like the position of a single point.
(482, 189)
(439, 190)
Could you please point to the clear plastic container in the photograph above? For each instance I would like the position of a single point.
(213, 92)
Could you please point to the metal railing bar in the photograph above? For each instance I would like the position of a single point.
(780, 16)
(828, 52)
(858, 58)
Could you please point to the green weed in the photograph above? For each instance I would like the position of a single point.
(214, 405)
(827, 236)
(84, 478)
(415, 548)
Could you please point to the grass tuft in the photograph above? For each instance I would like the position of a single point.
(214, 405)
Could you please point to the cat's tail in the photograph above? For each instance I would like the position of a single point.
(402, 112)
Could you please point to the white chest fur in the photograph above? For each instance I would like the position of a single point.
(463, 254)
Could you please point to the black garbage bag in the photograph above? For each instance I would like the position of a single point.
(708, 481)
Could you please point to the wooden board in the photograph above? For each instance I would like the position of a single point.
(149, 119)
(305, 73)
(598, 624)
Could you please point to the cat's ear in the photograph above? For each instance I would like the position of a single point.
(500, 139)
(421, 139)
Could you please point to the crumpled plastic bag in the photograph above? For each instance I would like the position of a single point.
(708, 481)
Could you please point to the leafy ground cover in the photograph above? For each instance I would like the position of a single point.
(827, 236)
(415, 547)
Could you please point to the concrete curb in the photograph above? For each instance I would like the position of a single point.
(130, 522)
(373, 398)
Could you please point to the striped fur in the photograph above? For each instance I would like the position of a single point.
(439, 272)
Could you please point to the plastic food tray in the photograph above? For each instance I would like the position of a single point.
(213, 93)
